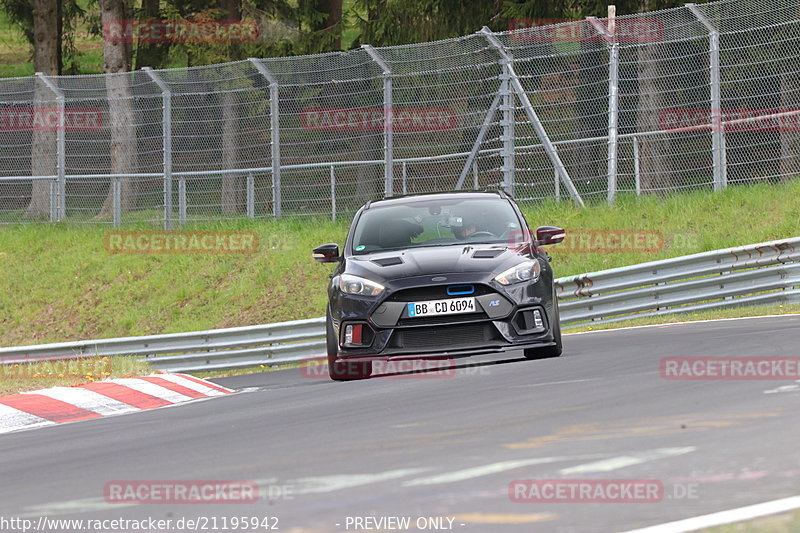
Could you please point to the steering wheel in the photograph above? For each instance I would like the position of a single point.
(479, 234)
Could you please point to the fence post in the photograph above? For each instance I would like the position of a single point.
(534, 118)
(509, 138)
(61, 197)
(333, 194)
(717, 128)
(636, 173)
(275, 137)
(388, 120)
(405, 178)
(116, 193)
(166, 132)
(609, 34)
(251, 196)
(182, 200)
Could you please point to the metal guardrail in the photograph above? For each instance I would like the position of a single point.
(745, 275)
(214, 349)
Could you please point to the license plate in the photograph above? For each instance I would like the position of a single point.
(452, 306)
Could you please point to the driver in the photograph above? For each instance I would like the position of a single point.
(464, 229)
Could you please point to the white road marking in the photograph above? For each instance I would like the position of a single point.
(13, 419)
(493, 468)
(785, 388)
(724, 517)
(320, 484)
(688, 322)
(615, 463)
(555, 383)
(153, 390)
(84, 505)
(189, 384)
(86, 399)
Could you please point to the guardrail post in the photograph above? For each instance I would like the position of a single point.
(275, 137)
(534, 118)
(166, 133)
(388, 120)
(61, 132)
(717, 128)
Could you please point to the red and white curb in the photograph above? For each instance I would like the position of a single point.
(103, 398)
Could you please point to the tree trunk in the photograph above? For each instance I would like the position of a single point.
(654, 149)
(120, 109)
(232, 187)
(150, 54)
(591, 116)
(332, 40)
(43, 143)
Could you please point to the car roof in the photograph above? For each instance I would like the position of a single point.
(412, 198)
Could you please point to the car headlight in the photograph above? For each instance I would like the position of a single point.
(527, 271)
(350, 284)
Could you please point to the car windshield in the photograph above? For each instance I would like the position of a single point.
(435, 223)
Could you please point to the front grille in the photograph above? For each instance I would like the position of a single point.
(435, 292)
(447, 337)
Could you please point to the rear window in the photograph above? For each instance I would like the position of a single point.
(434, 223)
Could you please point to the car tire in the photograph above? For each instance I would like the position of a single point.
(340, 370)
(549, 351)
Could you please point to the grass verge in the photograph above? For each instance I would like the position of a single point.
(16, 378)
(60, 284)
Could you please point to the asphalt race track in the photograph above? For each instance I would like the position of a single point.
(448, 447)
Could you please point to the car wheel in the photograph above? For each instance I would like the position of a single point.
(341, 370)
(548, 351)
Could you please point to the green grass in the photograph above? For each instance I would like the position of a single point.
(60, 284)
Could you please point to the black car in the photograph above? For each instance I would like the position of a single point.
(439, 276)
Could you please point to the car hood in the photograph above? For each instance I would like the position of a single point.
(407, 263)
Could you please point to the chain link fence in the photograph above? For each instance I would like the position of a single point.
(696, 97)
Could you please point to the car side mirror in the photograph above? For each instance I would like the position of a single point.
(550, 235)
(327, 253)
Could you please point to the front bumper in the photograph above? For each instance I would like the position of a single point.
(506, 319)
